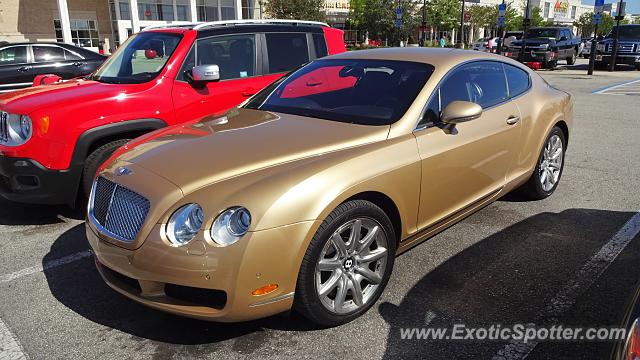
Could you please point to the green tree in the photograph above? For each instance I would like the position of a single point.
(444, 14)
(296, 9)
(585, 24)
(378, 18)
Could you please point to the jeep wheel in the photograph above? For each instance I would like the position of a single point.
(95, 159)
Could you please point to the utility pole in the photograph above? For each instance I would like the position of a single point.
(460, 41)
(424, 22)
(614, 53)
(597, 18)
(502, 11)
(525, 25)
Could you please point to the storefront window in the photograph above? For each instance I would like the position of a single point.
(182, 10)
(155, 10)
(214, 10)
(125, 12)
(83, 32)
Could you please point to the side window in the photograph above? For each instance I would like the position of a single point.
(47, 53)
(481, 82)
(13, 55)
(71, 56)
(234, 54)
(286, 51)
(320, 44)
(517, 79)
(432, 112)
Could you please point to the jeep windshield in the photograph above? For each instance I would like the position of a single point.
(139, 59)
(625, 32)
(366, 92)
(542, 33)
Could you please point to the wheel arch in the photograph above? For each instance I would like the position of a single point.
(96, 137)
(387, 205)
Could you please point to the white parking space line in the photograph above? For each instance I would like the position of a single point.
(10, 348)
(46, 266)
(584, 278)
(619, 89)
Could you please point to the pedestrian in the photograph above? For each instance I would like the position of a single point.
(442, 41)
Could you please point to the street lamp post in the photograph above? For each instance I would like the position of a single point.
(525, 25)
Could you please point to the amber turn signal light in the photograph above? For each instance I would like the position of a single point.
(44, 125)
(264, 290)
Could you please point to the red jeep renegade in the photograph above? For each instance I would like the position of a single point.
(53, 138)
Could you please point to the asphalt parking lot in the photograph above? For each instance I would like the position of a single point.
(571, 259)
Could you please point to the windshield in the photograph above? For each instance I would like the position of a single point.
(628, 32)
(138, 60)
(367, 92)
(542, 33)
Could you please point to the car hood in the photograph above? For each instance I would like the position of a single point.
(195, 154)
(78, 91)
(535, 41)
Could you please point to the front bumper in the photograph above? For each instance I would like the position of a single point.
(534, 56)
(27, 181)
(205, 281)
(620, 59)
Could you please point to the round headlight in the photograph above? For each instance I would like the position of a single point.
(184, 224)
(25, 127)
(231, 225)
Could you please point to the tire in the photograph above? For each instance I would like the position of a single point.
(600, 65)
(534, 188)
(638, 67)
(342, 273)
(572, 59)
(95, 159)
(551, 65)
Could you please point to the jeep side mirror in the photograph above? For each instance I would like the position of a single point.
(204, 73)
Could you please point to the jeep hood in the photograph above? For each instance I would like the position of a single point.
(195, 154)
(78, 91)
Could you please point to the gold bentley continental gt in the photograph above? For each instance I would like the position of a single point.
(301, 197)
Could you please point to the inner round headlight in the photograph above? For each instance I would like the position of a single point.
(231, 225)
(184, 224)
(25, 127)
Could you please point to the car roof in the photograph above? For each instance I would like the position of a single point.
(438, 57)
(291, 25)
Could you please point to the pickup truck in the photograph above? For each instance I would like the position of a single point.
(628, 47)
(545, 46)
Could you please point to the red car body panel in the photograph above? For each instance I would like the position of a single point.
(62, 112)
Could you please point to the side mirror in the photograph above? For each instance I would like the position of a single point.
(205, 73)
(460, 111)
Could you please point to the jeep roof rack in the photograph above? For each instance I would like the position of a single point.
(165, 26)
(252, 21)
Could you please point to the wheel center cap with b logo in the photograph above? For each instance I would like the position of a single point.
(349, 263)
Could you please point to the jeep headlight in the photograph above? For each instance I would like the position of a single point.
(15, 129)
(184, 224)
(230, 225)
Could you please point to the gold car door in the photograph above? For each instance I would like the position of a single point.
(467, 164)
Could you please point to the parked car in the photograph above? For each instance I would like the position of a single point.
(547, 45)
(20, 63)
(629, 349)
(488, 44)
(60, 134)
(628, 47)
(586, 47)
(302, 197)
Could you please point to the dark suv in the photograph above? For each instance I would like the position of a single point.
(628, 47)
(20, 63)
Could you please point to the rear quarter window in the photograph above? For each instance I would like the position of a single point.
(286, 51)
(517, 79)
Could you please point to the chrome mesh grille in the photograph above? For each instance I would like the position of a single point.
(118, 210)
(4, 126)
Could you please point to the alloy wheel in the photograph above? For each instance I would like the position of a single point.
(351, 266)
(551, 163)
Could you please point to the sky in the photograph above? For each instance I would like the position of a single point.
(633, 6)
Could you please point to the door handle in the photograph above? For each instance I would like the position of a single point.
(24, 68)
(248, 92)
(513, 119)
